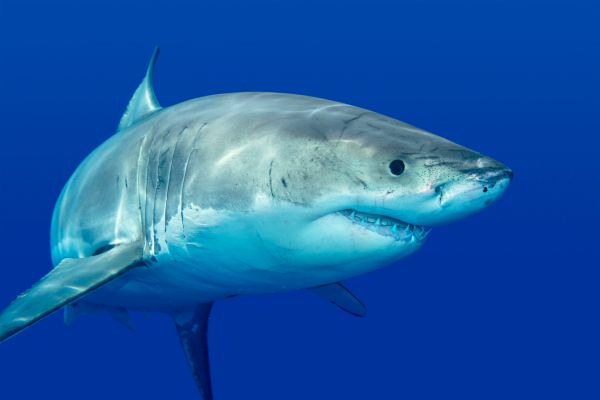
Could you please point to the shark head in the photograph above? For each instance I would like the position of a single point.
(417, 178)
(378, 186)
(327, 187)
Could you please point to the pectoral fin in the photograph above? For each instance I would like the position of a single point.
(339, 295)
(70, 280)
(192, 327)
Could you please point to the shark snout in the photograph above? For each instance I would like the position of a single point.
(468, 187)
(489, 172)
(475, 188)
(464, 188)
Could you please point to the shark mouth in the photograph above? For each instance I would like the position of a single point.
(386, 226)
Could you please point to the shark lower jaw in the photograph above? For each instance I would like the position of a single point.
(393, 228)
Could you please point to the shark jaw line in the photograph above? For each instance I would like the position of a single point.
(386, 226)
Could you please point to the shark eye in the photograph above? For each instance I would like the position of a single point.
(397, 167)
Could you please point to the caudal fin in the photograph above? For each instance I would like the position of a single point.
(192, 327)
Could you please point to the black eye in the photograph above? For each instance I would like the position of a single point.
(397, 167)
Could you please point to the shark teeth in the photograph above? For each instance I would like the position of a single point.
(386, 226)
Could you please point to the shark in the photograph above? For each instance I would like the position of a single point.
(242, 194)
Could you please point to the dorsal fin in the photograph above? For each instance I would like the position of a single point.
(143, 103)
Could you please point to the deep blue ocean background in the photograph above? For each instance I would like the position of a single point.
(501, 305)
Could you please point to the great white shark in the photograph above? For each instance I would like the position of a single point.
(245, 193)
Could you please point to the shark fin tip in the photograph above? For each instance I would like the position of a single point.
(143, 102)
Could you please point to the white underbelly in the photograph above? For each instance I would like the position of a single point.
(174, 283)
(218, 257)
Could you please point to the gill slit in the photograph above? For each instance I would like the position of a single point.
(181, 192)
(157, 187)
(139, 184)
(149, 241)
(170, 173)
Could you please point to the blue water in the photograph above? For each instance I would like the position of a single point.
(501, 305)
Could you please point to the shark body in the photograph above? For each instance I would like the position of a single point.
(245, 193)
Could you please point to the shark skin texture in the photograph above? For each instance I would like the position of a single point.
(245, 193)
